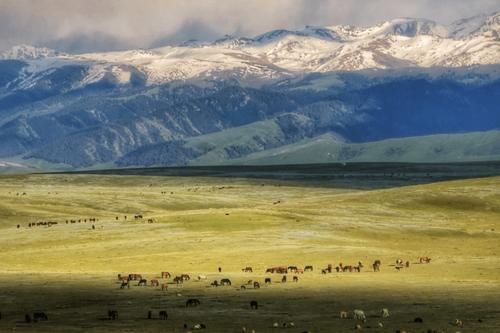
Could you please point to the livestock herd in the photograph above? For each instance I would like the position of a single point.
(357, 315)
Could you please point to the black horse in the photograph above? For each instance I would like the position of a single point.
(192, 302)
(254, 305)
(112, 314)
(163, 315)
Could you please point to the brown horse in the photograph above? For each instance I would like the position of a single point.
(155, 283)
(166, 275)
(164, 287)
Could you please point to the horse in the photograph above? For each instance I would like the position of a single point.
(178, 280)
(155, 283)
(143, 282)
(163, 315)
(125, 284)
(247, 269)
(425, 260)
(385, 313)
(40, 316)
(192, 302)
(343, 314)
(256, 285)
(164, 287)
(254, 305)
(166, 275)
(225, 282)
(185, 277)
(267, 281)
(112, 314)
(292, 269)
(283, 279)
(295, 279)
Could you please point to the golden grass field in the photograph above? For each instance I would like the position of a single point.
(69, 270)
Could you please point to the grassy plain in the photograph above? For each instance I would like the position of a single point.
(200, 223)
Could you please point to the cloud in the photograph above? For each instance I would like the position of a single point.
(87, 25)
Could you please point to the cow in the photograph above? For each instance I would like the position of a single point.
(225, 282)
(359, 315)
(163, 315)
(254, 305)
(192, 302)
(112, 314)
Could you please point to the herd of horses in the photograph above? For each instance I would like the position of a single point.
(30, 225)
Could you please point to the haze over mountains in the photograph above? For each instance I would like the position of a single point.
(337, 93)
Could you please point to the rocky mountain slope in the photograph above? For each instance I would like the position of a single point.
(183, 104)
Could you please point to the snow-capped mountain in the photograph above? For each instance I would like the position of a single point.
(280, 54)
(206, 102)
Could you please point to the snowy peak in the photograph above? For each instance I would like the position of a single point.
(28, 52)
(410, 27)
(476, 26)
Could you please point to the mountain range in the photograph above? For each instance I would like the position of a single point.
(336, 93)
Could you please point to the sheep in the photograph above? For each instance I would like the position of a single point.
(359, 315)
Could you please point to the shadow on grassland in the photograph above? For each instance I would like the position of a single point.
(347, 175)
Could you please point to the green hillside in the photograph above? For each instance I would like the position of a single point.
(478, 146)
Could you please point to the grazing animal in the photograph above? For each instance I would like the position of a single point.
(225, 282)
(125, 284)
(418, 320)
(407, 264)
(178, 280)
(215, 283)
(199, 326)
(267, 281)
(399, 262)
(425, 260)
(256, 285)
(357, 327)
(343, 314)
(164, 287)
(243, 287)
(385, 313)
(254, 305)
(143, 282)
(308, 268)
(283, 279)
(359, 315)
(192, 302)
(185, 277)
(292, 269)
(112, 314)
(376, 265)
(166, 275)
(458, 323)
(247, 269)
(40, 316)
(163, 315)
(295, 279)
(155, 283)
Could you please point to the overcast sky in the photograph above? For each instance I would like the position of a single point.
(98, 25)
